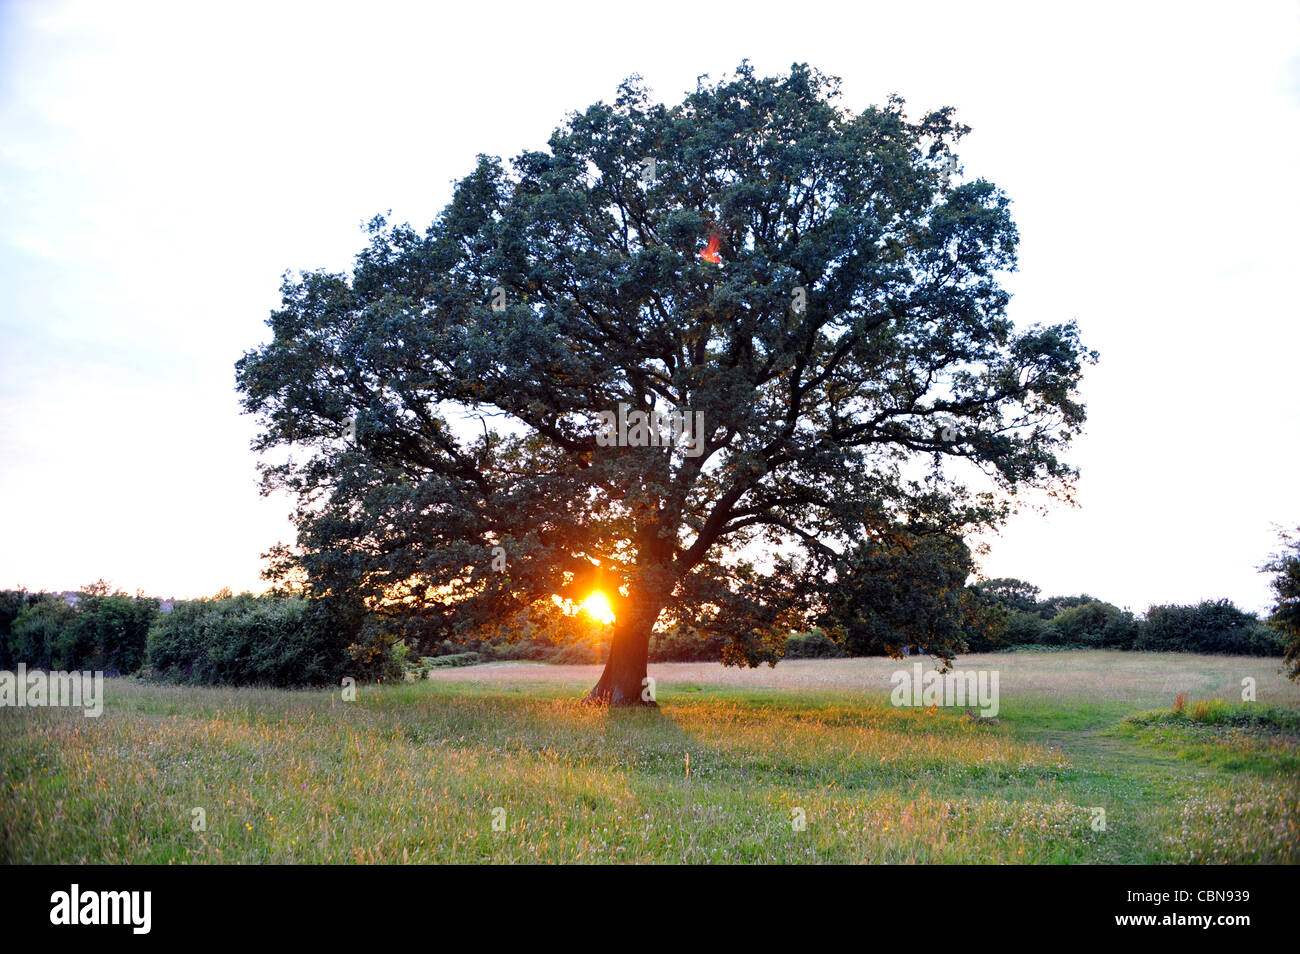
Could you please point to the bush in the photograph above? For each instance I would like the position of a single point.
(1098, 625)
(577, 654)
(251, 640)
(683, 644)
(1245, 715)
(11, 604)
(573, 652)
(111, 632)
(1054, 606)
(1213, 626)
(452, 661)
(814, 644)
(525, 650)
(1030, 629)
(101, 632)
(42, 637)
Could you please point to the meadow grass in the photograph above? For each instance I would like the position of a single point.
(419, 772)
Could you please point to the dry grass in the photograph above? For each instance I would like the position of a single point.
(1135, 680)
(414, 772)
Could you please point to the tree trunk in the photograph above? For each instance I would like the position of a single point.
(623, 681)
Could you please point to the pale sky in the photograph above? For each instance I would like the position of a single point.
(162, 165)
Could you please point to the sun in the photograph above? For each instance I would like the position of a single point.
(597, 607)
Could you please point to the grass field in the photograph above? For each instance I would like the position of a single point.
(419, 772)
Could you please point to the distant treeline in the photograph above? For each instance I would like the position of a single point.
(93, 629)
(226, 639)
(267, 639)
(246, 639)
(1025, 621)
(1211, 626)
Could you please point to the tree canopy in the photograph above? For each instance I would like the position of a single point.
(808, 283)
(1285, 615)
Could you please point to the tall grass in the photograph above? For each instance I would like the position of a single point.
(420, 772)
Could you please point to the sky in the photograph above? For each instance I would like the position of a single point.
(162, 165)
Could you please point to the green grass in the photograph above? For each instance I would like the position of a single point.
(1219, 712)
(1239, 737)
(414, 772)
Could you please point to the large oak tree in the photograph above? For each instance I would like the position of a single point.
(811, 283)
